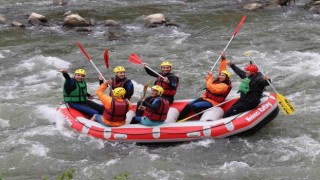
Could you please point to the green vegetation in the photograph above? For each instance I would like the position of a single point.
(123, 176)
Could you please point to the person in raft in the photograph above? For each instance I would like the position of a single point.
(115, 107)
(153, 110)
(169, 83)
(251, 89)
(76, 95)
(120, 80)
(217, 89)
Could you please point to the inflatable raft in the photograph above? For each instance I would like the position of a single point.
(210, 125)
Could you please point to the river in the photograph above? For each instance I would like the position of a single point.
(36, 143)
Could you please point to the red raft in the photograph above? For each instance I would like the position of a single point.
(209, 126)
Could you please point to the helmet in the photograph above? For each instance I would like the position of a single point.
(80, 71)
(252, 68)
(158, 88)
(226, 73)
(119, 92)
(166, 63)
(119, 69)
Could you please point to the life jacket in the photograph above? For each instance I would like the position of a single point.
(161, 113)
(79, 94)
(218, 97)
(244, 85)
(114, 84)
(168, 90)
(117, 112)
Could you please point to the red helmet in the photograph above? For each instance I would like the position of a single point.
(252, 68)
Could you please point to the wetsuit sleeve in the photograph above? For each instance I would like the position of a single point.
(154, 106)
(238, 71)
(151, 73)
(70, 84)
(105, 99)
(129, 88)
(173, 81)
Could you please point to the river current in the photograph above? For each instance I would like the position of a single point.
(36, 143)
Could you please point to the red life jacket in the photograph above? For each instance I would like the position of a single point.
(120, 84)
(161, 113)
(168, 90)
(117, 112)
(218, 97)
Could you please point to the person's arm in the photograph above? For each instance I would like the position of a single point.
(151, 73)
(217, 88)
(238, 71)
(105, 99)
(154, 106)
(129, 88)
(173, 81)
(223, 63)
(70, 84)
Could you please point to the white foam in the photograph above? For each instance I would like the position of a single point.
(4, 123)
(234, 167)
(38, 150)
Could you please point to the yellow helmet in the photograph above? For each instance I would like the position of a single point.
(80, 71)
(119, 92)
(119, 69)
(159, 89)
(166, 63)
(226, 73)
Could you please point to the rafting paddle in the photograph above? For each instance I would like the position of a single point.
(187, 118)
(234, 34)
(106, 58)
(88, 57)
(286, 105)
(135, 59)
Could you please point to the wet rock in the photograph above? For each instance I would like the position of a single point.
(92, 22)
(171, 23)
(253, 6)
(17, 24)
(154, 20)
(3, 20)
(75, 20)
(111, 22)
(59, 2)
(83, 29)
(113, 36)
(37, 19)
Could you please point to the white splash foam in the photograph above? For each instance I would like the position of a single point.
(234, 166)
(38, 150)
(112, 161)
(4, 123)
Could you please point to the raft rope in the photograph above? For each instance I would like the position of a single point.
(114, 131)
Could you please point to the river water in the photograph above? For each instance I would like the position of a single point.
(36, 143)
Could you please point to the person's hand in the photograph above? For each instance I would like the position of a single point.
(223, 55)
(142, 108)
(63, 70)
(90, 97)
(100, 78)
(108, 82)
(210, 73)
(165, 79)
(229, 63)
(266, 78)
(144, 64)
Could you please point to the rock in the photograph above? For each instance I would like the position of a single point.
(253, 6)
(154, 20)
(37, 19)
(75, 20)
(3, 20)
(17, 24)
(92, 22)
(59, 2)
(83, 29)
(111, 22)
(113, 36)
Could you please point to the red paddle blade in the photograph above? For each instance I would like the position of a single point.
(106, 58)
(135, 59)
(239, 25)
